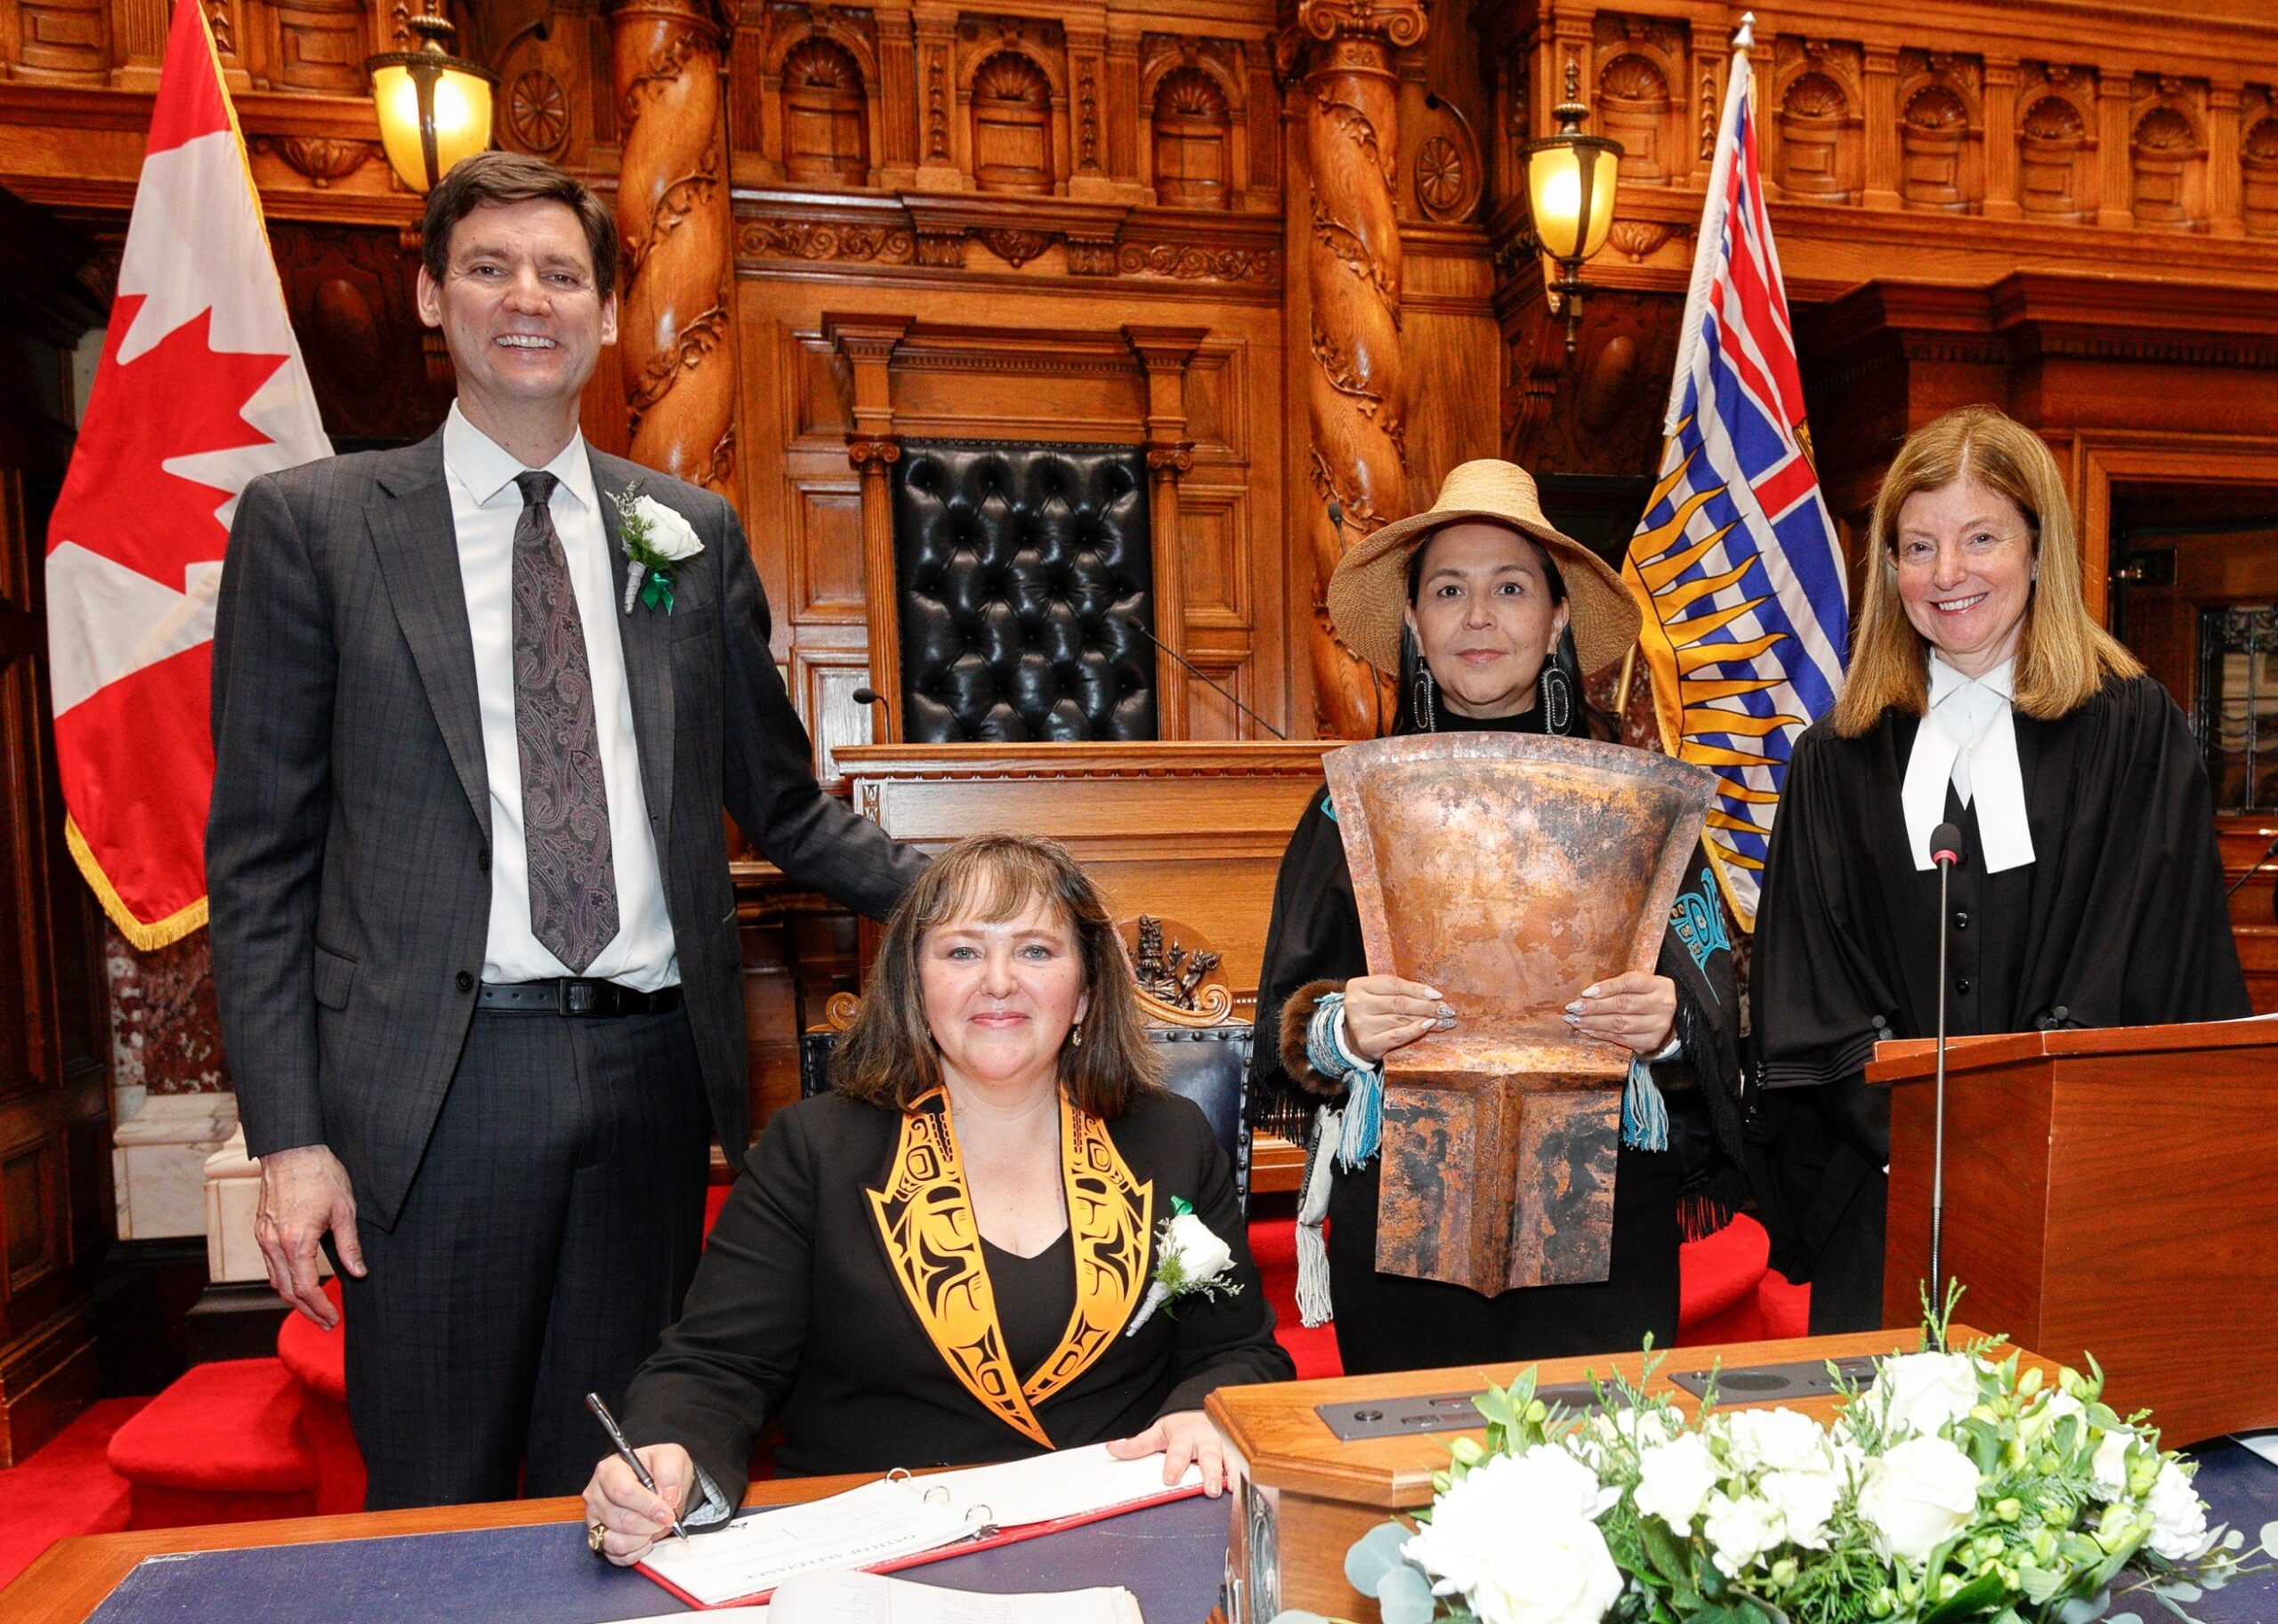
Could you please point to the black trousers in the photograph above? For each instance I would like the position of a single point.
(1389, 1322)
(547, 1244)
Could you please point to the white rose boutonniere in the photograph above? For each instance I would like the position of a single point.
(1190, 1261)
(656, 539)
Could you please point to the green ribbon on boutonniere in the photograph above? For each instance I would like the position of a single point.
(657, 540)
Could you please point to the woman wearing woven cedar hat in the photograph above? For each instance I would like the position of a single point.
(1491, 618)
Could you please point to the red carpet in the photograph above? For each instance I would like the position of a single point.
(65, 1488)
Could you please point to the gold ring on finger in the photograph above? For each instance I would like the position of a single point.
(595, 1532)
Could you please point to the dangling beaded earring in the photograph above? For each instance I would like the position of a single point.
(1556, 692)
(1426, 717)
(1075, 1037)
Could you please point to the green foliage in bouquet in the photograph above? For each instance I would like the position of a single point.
(1956, 1489)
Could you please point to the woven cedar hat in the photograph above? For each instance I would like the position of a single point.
(1369, 593)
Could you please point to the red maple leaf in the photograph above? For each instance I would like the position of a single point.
(178, 397)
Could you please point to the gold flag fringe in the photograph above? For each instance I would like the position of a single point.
(144, 937)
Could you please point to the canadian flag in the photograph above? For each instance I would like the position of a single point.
(201, 388)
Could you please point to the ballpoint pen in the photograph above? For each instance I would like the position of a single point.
(624, 1450)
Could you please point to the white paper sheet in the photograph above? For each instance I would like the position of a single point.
(760, 1549)
(871, 1598)
(1064, 1484)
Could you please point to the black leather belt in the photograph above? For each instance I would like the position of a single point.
(571, 996)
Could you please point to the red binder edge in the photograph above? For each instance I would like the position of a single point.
(942, 1552)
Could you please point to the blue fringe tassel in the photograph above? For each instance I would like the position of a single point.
(1364, 1086)
(1644, 1114)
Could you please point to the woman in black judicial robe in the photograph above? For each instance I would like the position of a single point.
(1486, 542)
(2089, 893)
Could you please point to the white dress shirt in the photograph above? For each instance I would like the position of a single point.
(486, 505)
(1969, 738)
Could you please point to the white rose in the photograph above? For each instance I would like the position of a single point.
(671, 537)
(1199, 1253)
(1777, 1440)
(1740, 1531)
(1920, 1393)
(2111, 1463)
(1919, 1494)
(1674, 1481)
(1515, 1540)
(2041, 1421)
(1805, 1502)
(2178, 1515)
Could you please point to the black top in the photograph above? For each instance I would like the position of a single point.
(2119, 921)
(1035, 1295)
(795, 1315)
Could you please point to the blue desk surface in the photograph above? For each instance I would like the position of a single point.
(1172, 1557)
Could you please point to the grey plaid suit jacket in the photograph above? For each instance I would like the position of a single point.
(348, 847)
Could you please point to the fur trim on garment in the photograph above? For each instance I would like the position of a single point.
(1297, 1018)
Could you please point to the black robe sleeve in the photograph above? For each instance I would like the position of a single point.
(2134, 930)
(1313, 934)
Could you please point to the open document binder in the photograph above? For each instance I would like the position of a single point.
(900, 1521)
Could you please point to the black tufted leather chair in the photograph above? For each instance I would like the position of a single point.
(1014, 565)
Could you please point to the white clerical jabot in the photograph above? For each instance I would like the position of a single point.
(1969, 738)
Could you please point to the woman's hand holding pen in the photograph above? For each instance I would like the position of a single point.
(1383, 1012)
(1633, 1009)
(634, 1518)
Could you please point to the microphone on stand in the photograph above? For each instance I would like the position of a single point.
(866, 696)
(1945, 851)
(1140, 626)
(2268, 852)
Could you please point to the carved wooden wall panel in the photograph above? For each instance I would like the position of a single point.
(1037, 356)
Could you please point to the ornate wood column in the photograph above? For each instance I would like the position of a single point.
(1356, 394)
(868, 342)
(1163, 354)
(2001, 139)
(676, 321)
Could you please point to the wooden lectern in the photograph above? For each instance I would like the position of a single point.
(2109, 1191)
(1304, 1493)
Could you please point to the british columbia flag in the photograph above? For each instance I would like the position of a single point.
(1735, 563)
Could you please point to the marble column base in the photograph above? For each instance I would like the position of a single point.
(158, 1162)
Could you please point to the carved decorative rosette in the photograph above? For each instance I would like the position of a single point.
(1356, 395)
(677, 323)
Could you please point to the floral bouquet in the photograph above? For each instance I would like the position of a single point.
(1955, 1489)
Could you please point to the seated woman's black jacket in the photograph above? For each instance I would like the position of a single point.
(795, 1315)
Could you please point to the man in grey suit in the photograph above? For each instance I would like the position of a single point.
(475, 942)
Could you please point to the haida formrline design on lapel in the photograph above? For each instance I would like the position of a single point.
(925, 1216)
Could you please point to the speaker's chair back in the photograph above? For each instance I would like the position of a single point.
(1017, 570)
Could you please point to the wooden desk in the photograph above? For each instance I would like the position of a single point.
(2107, 1191)
(1308, 1495)
(73, 1577)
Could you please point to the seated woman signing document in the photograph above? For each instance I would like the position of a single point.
(950, 1258)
